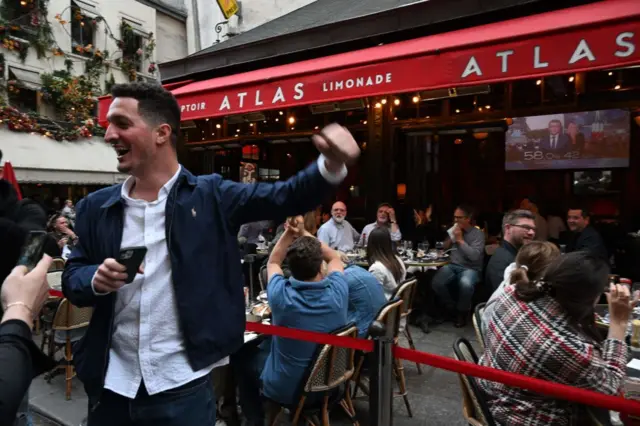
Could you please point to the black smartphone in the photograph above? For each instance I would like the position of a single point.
(33, 249)
(132, 258)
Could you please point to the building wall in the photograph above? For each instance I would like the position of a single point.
(252, 14)
(171, 38)
(257, 12)
(169, 33)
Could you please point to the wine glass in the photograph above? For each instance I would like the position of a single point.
(401, 248)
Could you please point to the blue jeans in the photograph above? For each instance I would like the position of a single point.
(450, 277)
(190, 404)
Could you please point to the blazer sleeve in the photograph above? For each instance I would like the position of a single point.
(79, 269)
(245, 203)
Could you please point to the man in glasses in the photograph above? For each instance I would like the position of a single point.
(518, 229)
(463, 272)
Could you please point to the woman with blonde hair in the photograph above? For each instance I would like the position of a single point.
(531, 263)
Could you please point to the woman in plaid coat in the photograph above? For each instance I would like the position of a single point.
(546, 329)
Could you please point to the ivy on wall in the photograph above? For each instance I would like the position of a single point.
(24, 25)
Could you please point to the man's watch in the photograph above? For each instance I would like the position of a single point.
(393, 222)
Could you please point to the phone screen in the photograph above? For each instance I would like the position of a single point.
(33, 249)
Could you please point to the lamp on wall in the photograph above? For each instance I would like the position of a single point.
(637, 119)
(481, 135)
(401, 190)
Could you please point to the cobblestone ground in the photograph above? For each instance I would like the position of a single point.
(434, 395)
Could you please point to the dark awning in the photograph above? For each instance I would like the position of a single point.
(330, 24)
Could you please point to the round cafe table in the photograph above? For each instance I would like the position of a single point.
(413, 263)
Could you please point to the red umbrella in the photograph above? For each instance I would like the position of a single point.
(10, 175)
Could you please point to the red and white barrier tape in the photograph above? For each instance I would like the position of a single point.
(555, 390)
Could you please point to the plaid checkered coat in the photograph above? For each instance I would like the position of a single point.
(537, 339)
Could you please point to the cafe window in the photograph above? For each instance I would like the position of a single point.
(269, 175)
(82, 30)
(133, 43)
(23, 23)
(22, 89)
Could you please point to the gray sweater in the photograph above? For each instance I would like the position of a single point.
(470, 254)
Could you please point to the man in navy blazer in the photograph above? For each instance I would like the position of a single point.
(555, 141)
(152, 343)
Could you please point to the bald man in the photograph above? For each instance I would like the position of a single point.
(337, 233)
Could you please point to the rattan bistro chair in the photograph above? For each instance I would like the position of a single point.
(69, 325)
(477, 323)
(389, 316)
(406, 292)
(474, 407)
(332, 368)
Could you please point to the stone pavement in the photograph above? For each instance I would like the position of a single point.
(435, 395)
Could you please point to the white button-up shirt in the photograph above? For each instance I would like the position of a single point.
(147, 342)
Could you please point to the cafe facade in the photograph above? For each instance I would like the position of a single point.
(432, 113)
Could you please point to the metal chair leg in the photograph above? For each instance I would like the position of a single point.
(399, 370)
(409, 337)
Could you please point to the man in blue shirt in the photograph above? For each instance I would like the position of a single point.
(309, 301)
(337, 233)
(366, 298)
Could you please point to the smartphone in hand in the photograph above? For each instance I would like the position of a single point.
(132, 258)
(33, 249)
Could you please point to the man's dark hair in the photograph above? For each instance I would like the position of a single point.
(384, 205)
(583, 209)
(468, 210)
(155, 104)
(305, 258)
(512, 217)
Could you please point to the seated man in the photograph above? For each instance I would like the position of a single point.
(518, 228)
(585, 237)
(385, 217)
(463, 273)
(337, 232)
(307, 301)
(366, 298)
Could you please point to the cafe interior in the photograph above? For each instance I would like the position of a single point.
(443, 147)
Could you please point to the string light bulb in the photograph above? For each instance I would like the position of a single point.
(383, 101)
(292, 120)
(415, 99)
(538, 82)
(396, 102)
(571, 79)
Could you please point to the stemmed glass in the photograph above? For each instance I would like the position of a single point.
(401, 248)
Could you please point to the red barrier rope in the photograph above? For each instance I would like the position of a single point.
(544, 387)
(311, 336)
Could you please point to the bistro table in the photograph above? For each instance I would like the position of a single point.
(416, 263)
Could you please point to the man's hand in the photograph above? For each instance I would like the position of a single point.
(337, 145)
(457, 234)
(109, 277)
(392, 214)
(23, 294)
(63, 242)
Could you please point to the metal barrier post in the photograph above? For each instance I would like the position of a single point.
(250, 259)
(381, 376)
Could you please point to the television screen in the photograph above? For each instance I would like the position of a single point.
(576, 140)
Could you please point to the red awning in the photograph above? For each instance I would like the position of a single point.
(595, 36)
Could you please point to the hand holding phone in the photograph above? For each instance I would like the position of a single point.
(114, 274)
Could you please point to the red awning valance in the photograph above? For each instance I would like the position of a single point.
(595, 36)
